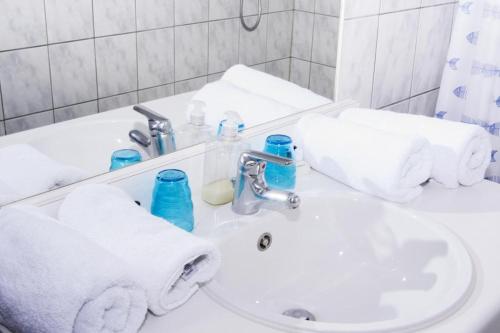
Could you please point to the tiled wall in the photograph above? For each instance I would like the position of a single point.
(393, 53)
(61, 59)
(314, 45)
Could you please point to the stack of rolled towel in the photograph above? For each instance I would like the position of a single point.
(98, 268)
(256, 96)
(461, 152)
(391, 155)
(25, 171)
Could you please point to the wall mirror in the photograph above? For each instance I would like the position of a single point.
(72, 71)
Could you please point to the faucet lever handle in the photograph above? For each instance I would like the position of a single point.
(148, 113)
(257, 156)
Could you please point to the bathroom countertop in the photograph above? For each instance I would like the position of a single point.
(473, 213)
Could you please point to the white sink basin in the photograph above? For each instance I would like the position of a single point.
(357, 264)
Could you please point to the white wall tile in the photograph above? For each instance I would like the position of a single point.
(29, 122)
(328, 7)
(214, 77)
(116, 64)
(73, 72)
(279, 35)
(75, 111)
(155, 54)
(358, 8)
(1, 103)
(395, 54)
(253, 44)
(154, 14)
(114, 17)
(306, 5)
(25, 79)
(191, 51)
(22, 24)
(251, 7)
(280, 5)
(69, 20)
(224, 9)
(401, 107)
(424, 104)
(156, 93)
(190, 85)
(118, 101)
(2, 128)
(325, 40)
(358, 60)
(322, 80)
(299, 72)
(432, 47)
(191, 11)
(387, 6)
(279, 68)
(302, 35)
(223, 44)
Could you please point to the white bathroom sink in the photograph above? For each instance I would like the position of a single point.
(356, 264)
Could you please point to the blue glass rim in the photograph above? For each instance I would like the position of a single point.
(126, 155)
(279, 140)
(171, 176)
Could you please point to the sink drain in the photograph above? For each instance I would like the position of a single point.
(264, 242)
(300, 314)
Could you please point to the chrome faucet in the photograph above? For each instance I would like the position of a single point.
(250, 188)
(160, 131)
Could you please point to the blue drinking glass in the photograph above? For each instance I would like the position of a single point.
(172, 199)
(124, 157)
(280, 176)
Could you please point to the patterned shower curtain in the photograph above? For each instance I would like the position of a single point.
(470, 88)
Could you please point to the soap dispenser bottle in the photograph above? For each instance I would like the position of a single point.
(196, 130)
(221, 160)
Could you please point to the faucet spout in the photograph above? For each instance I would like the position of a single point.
(251, 190)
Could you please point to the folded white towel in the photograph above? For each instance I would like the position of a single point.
(53, 280)
(24, 171)
(169, 263)
(221, 96)
(461, 152)
(387, 165)
(282, 91)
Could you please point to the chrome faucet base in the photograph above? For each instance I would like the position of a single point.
(251, 191)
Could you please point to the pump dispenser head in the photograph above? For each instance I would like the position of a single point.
(229, 129)
(197, 113)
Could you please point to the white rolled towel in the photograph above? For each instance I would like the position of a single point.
(282, 91)
(169, 263)
(383, 164)
(53, 280)
(461, 152)
(222, 96)
(24, 171)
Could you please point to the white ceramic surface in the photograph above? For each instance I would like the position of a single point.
(358, 264)
(88, 142)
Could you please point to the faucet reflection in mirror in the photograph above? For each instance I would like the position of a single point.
(161, 133)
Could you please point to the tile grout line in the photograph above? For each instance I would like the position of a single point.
(375, 58)
(95, 58)
(415, 50)
(312, 46)
(49, 62)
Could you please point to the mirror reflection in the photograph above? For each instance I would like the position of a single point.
(89, 87)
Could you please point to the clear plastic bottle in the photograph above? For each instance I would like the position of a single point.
(220, 166)
(196, 130)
